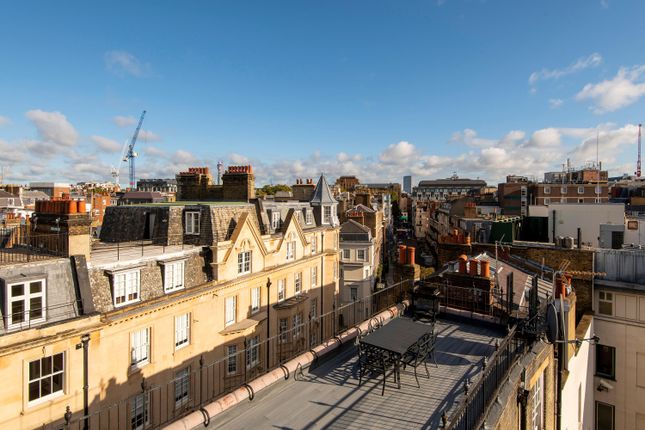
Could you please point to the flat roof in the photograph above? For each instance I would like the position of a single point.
(328, 396)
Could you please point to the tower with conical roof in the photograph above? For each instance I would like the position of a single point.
(324, 204)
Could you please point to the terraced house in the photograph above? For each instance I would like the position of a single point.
(178, 303)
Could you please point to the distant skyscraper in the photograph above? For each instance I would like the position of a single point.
(407, 184)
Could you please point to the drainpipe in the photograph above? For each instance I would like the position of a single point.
(322, 286)
(268, 321)
(85, 345)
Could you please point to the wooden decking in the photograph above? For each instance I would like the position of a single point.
(328, 397)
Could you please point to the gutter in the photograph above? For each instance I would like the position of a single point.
(204, 415)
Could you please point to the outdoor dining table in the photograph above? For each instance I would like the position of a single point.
(397, 337)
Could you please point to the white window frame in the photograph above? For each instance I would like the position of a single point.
(275, 220)
(140, 348)
(231, 360)
(547, 190)
(547, 200)
(358, 255)
(309, 216)
(606, 297)
(244, 262)
(282, 293)
(140, 402)
(297, 325)
(314, 276)
(123, 287)
(230, 314)
(326, 218)
(192, 222)
(283, 330)
(253, 352)
(581, 189)
(173, 276)
(563, 189)
(291, 250)
(37, 379)
(297, 283)
(182, 331)
(256, 300)
(26, 298)
(182, 387)
(537, 397)
(346, 254)
(314, 244)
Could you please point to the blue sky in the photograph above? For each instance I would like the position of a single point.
(373, 88)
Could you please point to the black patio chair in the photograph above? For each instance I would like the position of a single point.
(418, 355)
(374, 360)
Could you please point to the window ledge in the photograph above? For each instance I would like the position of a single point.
(245, 324)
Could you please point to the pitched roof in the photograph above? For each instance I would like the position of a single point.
(351, 226)
(361, 208)
(322, 193)
(4, 194)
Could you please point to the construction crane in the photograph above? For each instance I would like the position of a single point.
(638, 162)
(116, 171)
(130, 154)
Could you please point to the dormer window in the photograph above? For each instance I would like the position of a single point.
(126, 287)
(25, 303)
(326, 215)
(309, 217)
(192, 222)
(275, 220)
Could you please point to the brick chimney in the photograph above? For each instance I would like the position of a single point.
(62, 226)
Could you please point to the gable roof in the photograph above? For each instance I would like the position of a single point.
(351, 226)
(322, 193)
(361, 208)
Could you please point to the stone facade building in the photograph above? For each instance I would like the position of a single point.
(177, 303)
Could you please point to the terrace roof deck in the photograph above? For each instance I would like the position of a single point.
(329, 397)
(106, 253)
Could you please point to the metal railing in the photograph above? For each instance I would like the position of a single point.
(478, 397)
(19, 244)
(142, 247)
(209, 378)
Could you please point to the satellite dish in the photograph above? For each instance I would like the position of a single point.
(551, 323)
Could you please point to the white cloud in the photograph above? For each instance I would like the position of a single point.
(238, 159)
(148, 136)
(608, 141)
(546, 137)
(10, 153)
(53, 127)
(123, 63)
(124, 121)
(105, 144)
(469, 137)
(555, 103)
(593, 60)
(398, 153)
(4, 121)
(622, 90)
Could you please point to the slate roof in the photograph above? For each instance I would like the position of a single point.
(352, 226)
(361, 208)
(322, 193)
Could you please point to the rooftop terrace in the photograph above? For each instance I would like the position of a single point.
(328, 396)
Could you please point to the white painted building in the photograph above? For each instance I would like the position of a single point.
(619, 321)
(357, 263)
(602, 224)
